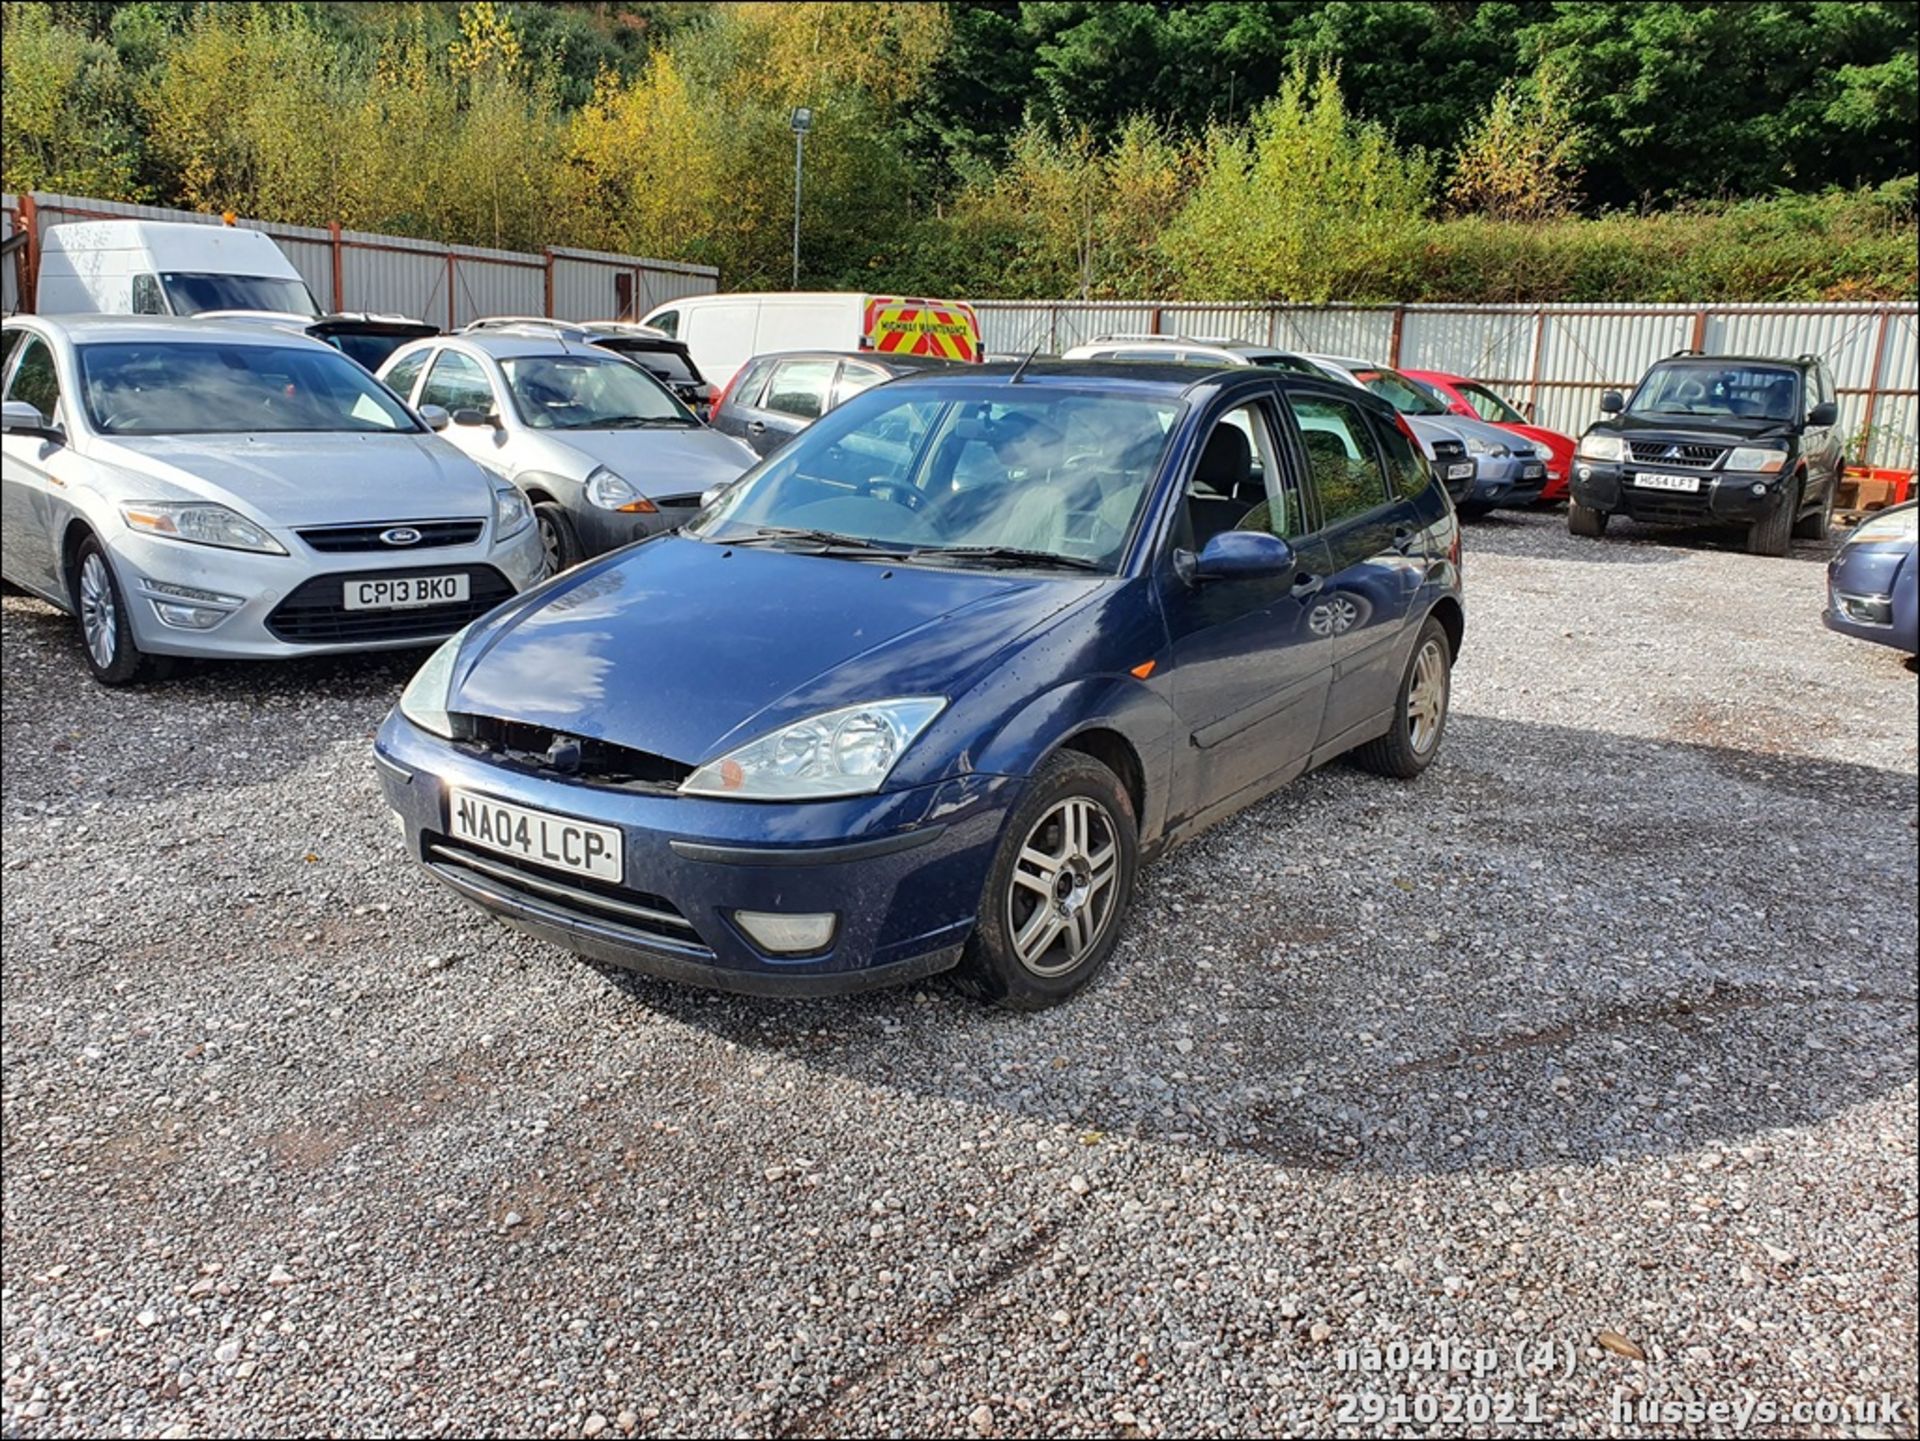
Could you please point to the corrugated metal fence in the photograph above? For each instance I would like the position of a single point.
(446, 284)
(1557, 358)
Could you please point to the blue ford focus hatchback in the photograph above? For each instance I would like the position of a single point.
(923, 690)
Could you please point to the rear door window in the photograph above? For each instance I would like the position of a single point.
(1405, 468)
(800, 388)
(854, 379)
(457, 382)
(1342, 459)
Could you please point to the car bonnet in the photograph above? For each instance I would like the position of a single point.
(685, 648)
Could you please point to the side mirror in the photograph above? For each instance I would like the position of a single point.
(435, 416)
(1825, 413)
(19, 417)
(1612, 403)
(1239, 555)
(476, 417)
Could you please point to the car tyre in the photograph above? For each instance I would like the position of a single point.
(106, 629)
(1584, 520)
(559, 541)
(1769, 535)
(1816, 526)
(1058, 890)
(1419, 710)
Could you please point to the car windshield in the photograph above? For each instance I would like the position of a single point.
(190, 292)
(1750, 392)
(1404, 395)
(197, 388)
(1489, 406)
(941, 474)
(663, 362)
(589, 392)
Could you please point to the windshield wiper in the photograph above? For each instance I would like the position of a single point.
(819, 542)
(633, 422)
(1007, 555)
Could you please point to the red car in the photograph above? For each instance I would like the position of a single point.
(1471, 397)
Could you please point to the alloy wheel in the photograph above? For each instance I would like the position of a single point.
(99, 618)
(1061, 898)
(1427, 698)
(550, 544)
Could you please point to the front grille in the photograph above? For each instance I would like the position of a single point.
(316, 615)
(527, 747)
(677, 502)
(336, 538)
(643, 917)
(1449, 450)
(1662, 452)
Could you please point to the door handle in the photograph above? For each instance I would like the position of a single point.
(756, 427)
(1403, 540)
(1306, 585)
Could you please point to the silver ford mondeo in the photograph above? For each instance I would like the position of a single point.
(188, 488)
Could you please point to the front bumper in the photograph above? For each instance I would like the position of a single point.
(1871, 595)
(274, 607)
(1727, 497)
(603, 530)
(903, 871)
(1506, 480)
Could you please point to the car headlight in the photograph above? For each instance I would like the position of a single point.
(611, 492)
(200, 522)
(845, 752)
(1477, 446)
(1756, 457)
(1601, 447)
(424, 701)
(511, 512)
(1902, 526)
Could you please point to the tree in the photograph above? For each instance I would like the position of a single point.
(1308, 203)
(1737, 99)
(1520, 159)
(66, 110)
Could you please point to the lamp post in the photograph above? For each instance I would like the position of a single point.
(802, 123)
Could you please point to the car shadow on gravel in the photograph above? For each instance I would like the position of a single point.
(1538, 954)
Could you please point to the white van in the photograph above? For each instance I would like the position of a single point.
(164, 267)
(724, 332)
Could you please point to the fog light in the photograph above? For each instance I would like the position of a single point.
(187, 592)
(188, 617)
(787, 935)
(1866, 609)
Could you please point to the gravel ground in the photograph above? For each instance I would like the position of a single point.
(1607, 1025)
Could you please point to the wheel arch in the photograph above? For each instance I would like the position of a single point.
(1453, 620)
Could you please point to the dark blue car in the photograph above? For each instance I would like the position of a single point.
(1873, 583)
(922, 691)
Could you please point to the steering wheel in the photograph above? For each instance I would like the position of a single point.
(897, 491)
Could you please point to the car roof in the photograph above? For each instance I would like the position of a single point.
(1169, 378)
(1785, 362)
(86, 329)
(899, 364)
(510, 344)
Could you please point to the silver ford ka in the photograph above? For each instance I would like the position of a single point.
(188, 488)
